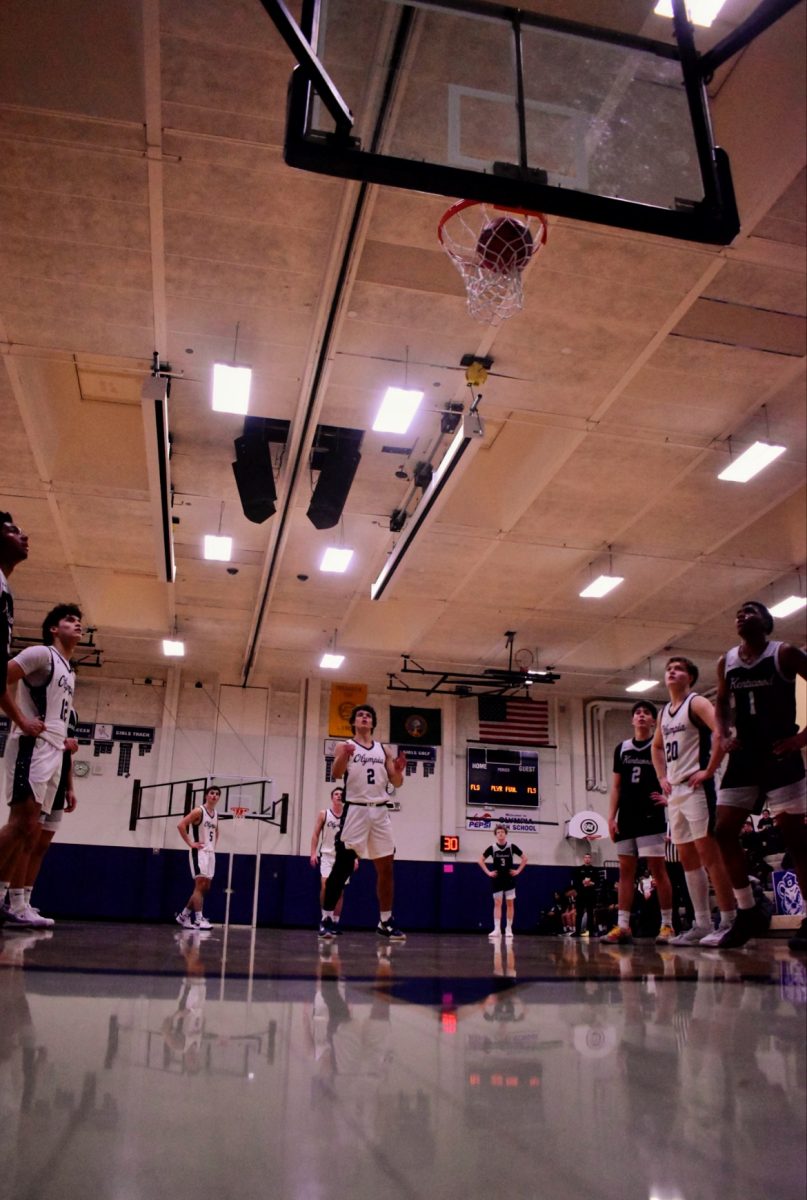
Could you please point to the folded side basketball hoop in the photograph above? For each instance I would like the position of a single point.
(491, 251)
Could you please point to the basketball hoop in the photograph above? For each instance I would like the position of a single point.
(239, 814)
(491, 252)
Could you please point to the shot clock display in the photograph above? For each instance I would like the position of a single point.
(449, 843)
(500, 778)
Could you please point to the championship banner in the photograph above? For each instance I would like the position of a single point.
(344, 698)
(415, 726)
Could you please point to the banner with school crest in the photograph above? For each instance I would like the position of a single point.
(344, 698)
(415, 726)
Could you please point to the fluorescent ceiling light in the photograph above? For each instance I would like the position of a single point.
(642, 685)
(173, 649)
(332, 661)
(789, 605)
(397, 410)
(335, 559)
(231, 388)
(219, 549)
(749, 464)
(602, 585)
(701, 12)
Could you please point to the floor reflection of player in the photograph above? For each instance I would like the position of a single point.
(19, 1056)
(724, 1084)
(184, 1029)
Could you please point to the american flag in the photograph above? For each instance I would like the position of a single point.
(513, 722)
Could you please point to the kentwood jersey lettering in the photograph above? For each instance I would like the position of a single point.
(637, 815)
(366, 778)
(687, 744)
(764, 698)
(204, 830)
(49, 685)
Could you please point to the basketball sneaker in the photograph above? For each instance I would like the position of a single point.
(34, 918)
(388, 930)
(691, 937)
(325, 928)
(495, 934)
(202, 923)
(617, 936)
(714, 938)
(508, 935)
(749, 923)
(185, 920)
(665, 935)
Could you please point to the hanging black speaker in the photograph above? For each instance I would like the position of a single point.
(254, 477)
(332, 487)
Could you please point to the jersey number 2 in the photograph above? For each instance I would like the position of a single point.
(371, 775)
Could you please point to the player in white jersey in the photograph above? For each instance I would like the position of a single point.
(368, 766)
(33, 765)
(685, 765)
(199, 830)
(13, 551)
(324, 847)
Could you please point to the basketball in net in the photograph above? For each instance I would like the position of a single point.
(491, 247)
(504, 244)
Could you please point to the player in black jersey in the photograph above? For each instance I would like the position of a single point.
(756, 691)
(13, 551)
(498, 863)
(637, 823)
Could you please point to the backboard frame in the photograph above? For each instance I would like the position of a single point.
(712, 220)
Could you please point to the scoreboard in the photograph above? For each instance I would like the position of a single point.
(499, 778)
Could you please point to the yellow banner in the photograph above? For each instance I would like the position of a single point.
(344, 698)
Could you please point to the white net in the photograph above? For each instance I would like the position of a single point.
(491, 250)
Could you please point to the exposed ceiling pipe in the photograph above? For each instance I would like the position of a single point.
(300, 457)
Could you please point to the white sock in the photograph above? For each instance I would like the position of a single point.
(325, 914)
(335, 919)
(16, 899)
(509, 926)
(744, 897)
(623, 919)
(28, 891)
(727, 918)
(386, 916)
(666, 916)
(698, 887)
(3, 890)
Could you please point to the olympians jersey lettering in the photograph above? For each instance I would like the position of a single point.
(204, 830)
(764, 699)
(47, 691)
(687, 744)
(501, 859)
(366, 776)
(330, 829)
(638, 815)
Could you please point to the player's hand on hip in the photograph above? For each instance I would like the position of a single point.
(32, 728)
(698, 779)
(788, 745)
